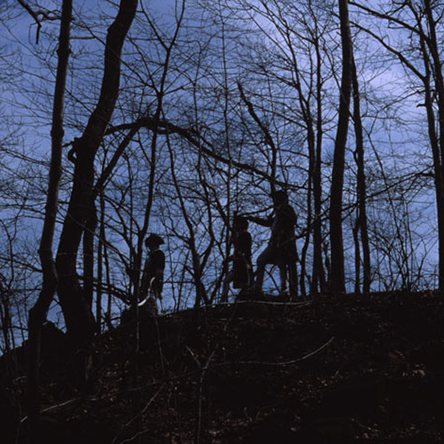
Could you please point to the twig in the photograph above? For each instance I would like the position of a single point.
(202, 378)
(131, 421)
(280, 364)
(227, 363)
(201, 382)
(55, 407)
(290, 304)
(137, 435)
(34, 16)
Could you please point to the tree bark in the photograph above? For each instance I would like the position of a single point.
(88, 255)
(432, 43)
(361, 224)
(38, 313)
(78, 316)
(318, 277)
(337, 275)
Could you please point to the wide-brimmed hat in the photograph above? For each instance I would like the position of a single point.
(154, 239)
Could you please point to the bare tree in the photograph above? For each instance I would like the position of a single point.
(38, 313)
(420, 21)
(337, 283)
(361, 218)
(77, 313)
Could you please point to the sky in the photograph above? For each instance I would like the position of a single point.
(35, 132)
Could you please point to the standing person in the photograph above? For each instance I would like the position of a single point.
(281, 249)
(242, 272)
(152, 278)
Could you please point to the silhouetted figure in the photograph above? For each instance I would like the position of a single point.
(152, 277)
(242, 272)
(281, 249)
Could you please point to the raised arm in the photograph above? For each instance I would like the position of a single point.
(265, 222)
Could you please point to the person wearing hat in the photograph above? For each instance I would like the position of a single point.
(281, 249)
(241, 273)
(152, 278)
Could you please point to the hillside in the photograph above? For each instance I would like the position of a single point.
(335, 369)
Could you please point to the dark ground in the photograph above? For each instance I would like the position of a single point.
(346, 369)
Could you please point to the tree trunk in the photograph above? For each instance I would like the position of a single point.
(362, 194)
(318, 281)
(38, 313)
(437, 144)
(337, 275)
(100, 261)
(76, 310)
(88, 255)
